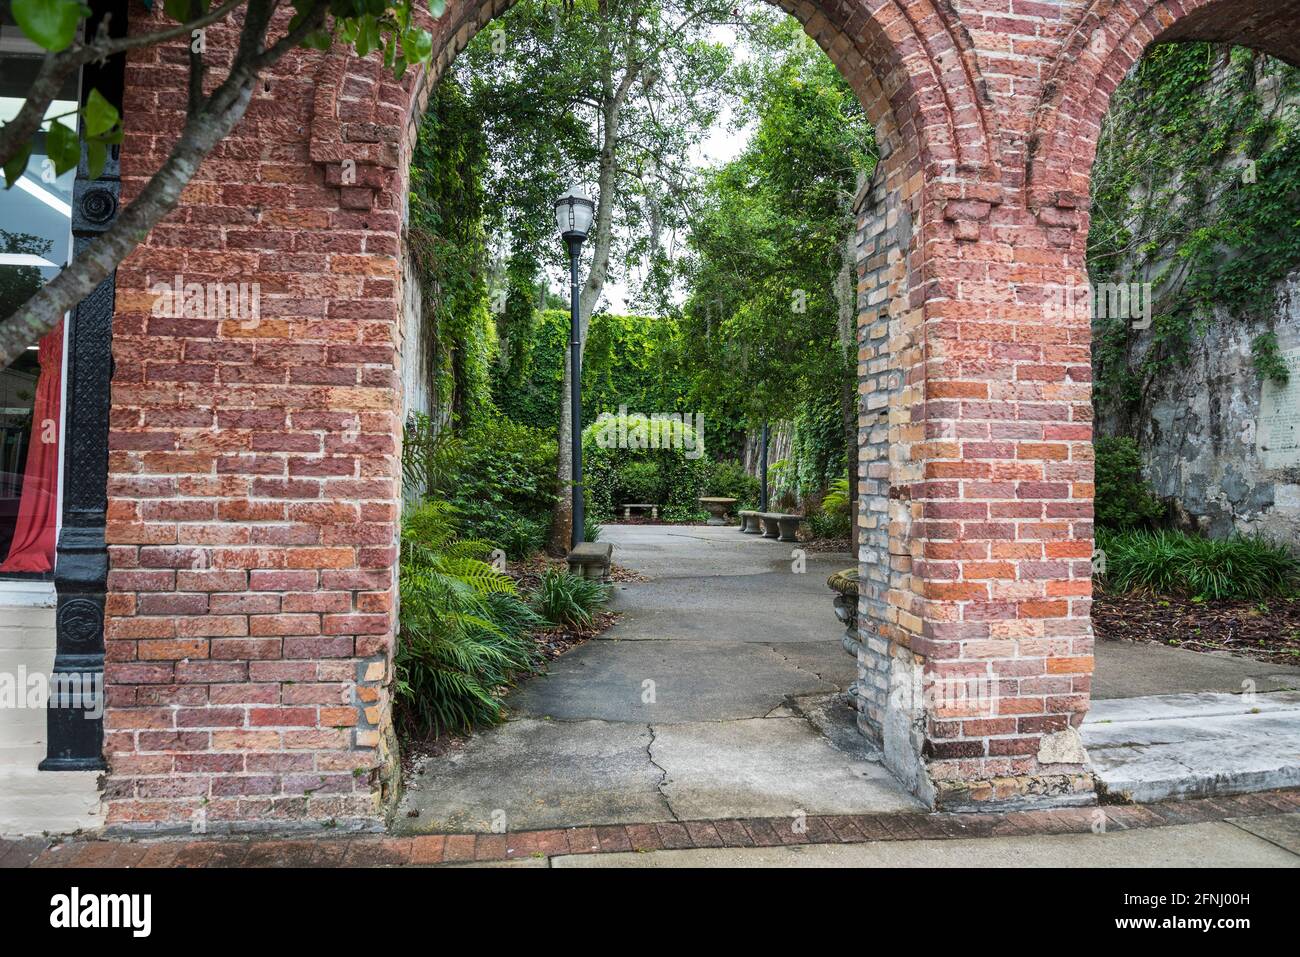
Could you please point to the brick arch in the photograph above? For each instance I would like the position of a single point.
(1106, 41)
(254, 476)
(912, 65)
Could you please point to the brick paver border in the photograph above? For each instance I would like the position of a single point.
(379, 850)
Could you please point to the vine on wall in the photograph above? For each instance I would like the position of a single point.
(1196, 189)
(448, 243)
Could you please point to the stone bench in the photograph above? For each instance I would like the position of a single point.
(749, 523)
(779, 525)
(641, 507)
(591, 559)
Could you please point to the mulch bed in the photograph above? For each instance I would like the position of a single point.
(1265, 631)
(554, 642)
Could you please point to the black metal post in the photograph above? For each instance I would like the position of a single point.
(575, 391)
(74, 718)
(762, 472)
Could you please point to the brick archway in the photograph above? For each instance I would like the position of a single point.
(253, 469)
(253, 480)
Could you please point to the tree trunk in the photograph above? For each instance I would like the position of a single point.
(602, 238)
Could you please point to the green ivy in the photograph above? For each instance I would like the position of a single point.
(1267, 359)
(1177, 202)
(448, 243)
(632, 361)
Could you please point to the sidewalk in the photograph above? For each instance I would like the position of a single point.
(1256, 830)
(720, 693)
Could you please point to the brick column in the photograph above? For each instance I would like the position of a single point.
(254, 478)
(989, 642)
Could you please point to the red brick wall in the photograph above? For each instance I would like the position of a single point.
(254, 479)
(254, 464)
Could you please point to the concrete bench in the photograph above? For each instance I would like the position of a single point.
(591, 559)
(779, 525)
(641, 507)
(749, 523)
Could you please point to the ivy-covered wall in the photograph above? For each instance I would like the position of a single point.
(1196, 190)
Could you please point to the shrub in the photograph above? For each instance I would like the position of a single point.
(834, 518)
(568, 600)
(641, 482)
(1123, 499)
(500, 476)
(508, 465)
(1176, 563)
(728, 479)
(463, 629)
(612, 480)
(514, 534)
(683, 513)
(590, 526)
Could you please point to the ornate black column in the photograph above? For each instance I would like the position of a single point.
(81, 567)
(75, 717)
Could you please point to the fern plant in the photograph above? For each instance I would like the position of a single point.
(836, 501)
(464, 629)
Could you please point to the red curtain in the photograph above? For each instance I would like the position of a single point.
(32, 548)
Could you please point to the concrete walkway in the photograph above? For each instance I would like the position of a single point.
(1193, 745)
(720, 694)
(1170, 723)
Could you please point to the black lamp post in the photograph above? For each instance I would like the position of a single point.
(574, 212)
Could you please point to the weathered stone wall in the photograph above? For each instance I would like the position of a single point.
(1203, 424)
(1200, 429)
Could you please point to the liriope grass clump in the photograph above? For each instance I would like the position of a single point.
(568, 600)
(1175, 563)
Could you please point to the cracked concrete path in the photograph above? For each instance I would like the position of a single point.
(720, 693)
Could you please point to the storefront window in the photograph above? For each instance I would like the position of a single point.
(35, 243)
